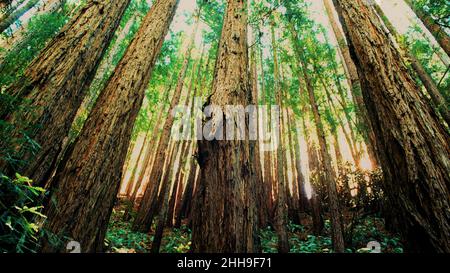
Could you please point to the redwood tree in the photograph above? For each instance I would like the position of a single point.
(225, 217)
(89, 177)
(55, 83)
(412, 143)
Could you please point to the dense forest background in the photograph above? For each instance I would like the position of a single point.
(87, 146)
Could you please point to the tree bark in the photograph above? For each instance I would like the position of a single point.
(281, 209)
(55, 84)
(130, 183)
(412, 143)
(355, 85)
(225, 217)
(146, 210)
(267, 154)
(313, 162)
(164, 196)
(255, 151)
(303, 198)
(89, 177)
(427, 81)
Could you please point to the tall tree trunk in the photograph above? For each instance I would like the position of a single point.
(295, 189)
(412, 143)
(355, 85)
(89, 177)
(427, 81)
(337, 235)
(303, 198)
(438, 31)
(267, 154)
(313, 163)
(164, 196)
(56, 82)
(281, 213)
(255, 152)
(130, 183)
(329, 179)
(190, 98)
(225, 217)
(146, 210)
(147, 162)
(187, 195)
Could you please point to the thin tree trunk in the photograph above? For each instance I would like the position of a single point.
(329, 179)
(267, 158)
(89, 177)
(184, 147)
(130, 183)
(281, 213)
(313, 162)
(256, 153)
(8, 21)
(165, 188)
(428, 82)
(303, 198)
(438, 31)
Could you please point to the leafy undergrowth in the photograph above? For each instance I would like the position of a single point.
(120, 238)
(368, 230)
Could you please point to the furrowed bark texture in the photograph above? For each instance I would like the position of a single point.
(353, 79)
(55, 83)
(89, 178)
(427, 81)
(412, 143)
(146, 211)
(225, 217)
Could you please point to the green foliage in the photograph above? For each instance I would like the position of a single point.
(35, 38)
(371, 229)
(15, 135)
(367, 230)
(178, 241)
(19, 214)
(439, 10)
(120, 238)
(430, 56)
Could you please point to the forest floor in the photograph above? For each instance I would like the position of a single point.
(121, 239)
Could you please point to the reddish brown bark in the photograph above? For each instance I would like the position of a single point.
(438, 100)
(225, 217)
(55, 84)
(89, 177)
(412, 143)
(147, 206)
(353, 79)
